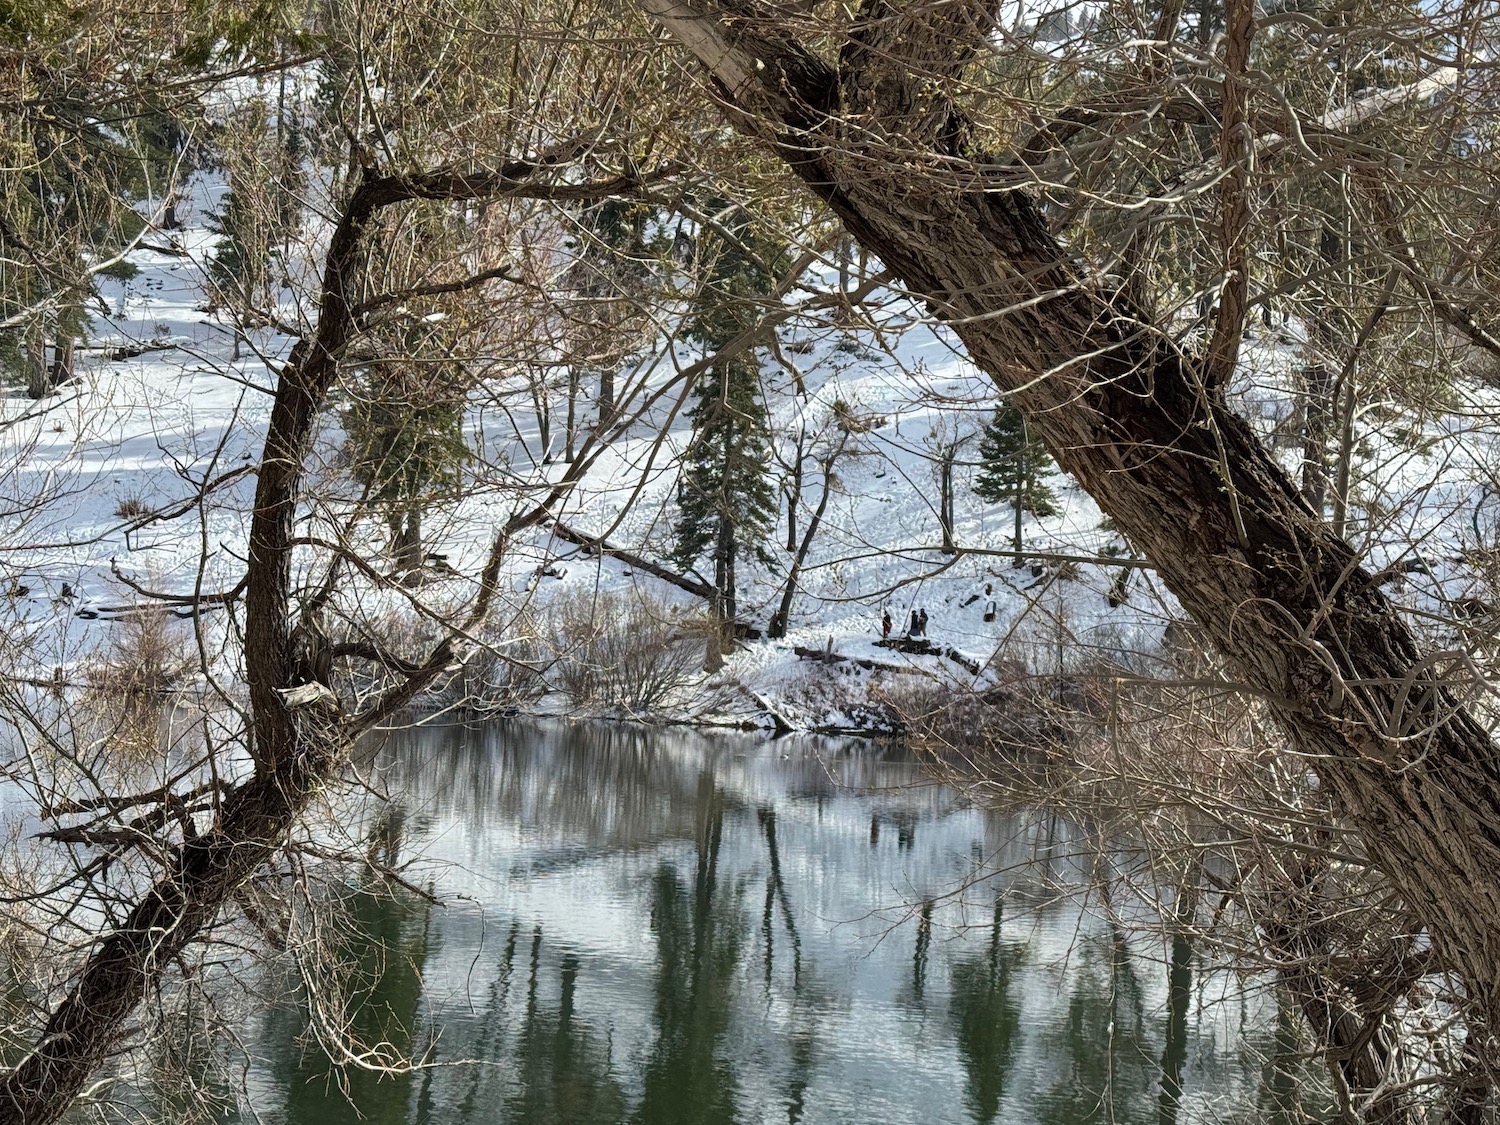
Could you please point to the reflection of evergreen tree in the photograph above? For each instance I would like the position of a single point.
(387, 946)
(1101, 1043)
(1293, 1085)
(689, 1079)
(986, 1021)
(561, 1070)
(489, 1045)
(1174, 1054)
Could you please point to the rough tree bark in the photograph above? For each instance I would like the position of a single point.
(1144, 428)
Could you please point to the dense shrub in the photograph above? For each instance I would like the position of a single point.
(625, 651)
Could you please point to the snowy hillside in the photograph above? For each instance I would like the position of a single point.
(141, 471)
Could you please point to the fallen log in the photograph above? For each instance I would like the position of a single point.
(920, 646)
(593, 545)
(824, 656)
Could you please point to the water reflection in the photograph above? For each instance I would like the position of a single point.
(986, 1018)
(659, 928)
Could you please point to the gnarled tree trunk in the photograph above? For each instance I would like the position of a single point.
(299, 732)
(1144, 428)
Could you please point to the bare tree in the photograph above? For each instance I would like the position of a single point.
(300, 729)
(883, 124)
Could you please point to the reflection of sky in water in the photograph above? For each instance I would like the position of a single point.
(624, 950)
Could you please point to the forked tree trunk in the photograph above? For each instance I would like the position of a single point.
(783, 614)
(1145, 429)
(299, 736)
(406, 539)
(945, 502)
(34, 352)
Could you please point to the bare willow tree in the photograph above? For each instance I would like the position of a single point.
(1093, 212)
(975, 159)
(172, 856)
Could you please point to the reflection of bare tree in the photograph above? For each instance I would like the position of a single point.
(1101, 1043)
(578, 790)
(488, 1042)
(1174, 1054)
(582, 789)
(776, 895)
(921, 952)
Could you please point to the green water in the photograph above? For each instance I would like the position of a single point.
(662, 928)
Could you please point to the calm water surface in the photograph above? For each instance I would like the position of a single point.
(661, 927)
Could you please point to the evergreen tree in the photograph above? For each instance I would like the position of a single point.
(1012, 464)
(725, 494)
(405, 428)
(86, 166)
(1011, 467)
(412, 372)
(257, 216)
(617, 256)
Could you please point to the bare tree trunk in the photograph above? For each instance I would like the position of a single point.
(727, 550)
(1019, 509)
(1343, 471)
(713, 657)
(794, 572)
(606, 396)
(406, 538)
(948, 454)
(1316, 412)
(570, 430)
(35, 351)
(64, 355)
(1145, 429)
(541, 409)
(792, 483)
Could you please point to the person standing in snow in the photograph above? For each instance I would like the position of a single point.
(885, 625)
(916, 627)
(922, 622)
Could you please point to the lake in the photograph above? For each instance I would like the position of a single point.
(657, 926)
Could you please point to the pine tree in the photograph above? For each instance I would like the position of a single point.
(257, 216)
(405, 428)
(1012, 464)
(725, 494)
(240, 270)
(617, 256)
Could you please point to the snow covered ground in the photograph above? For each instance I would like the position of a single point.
(143, 468)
